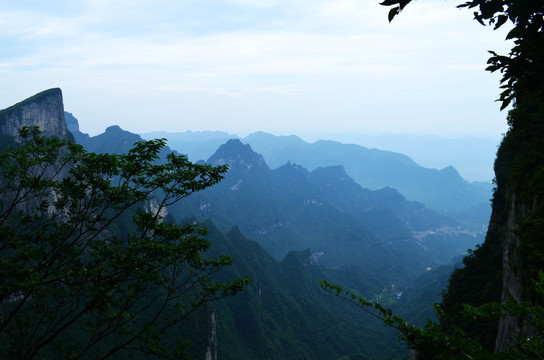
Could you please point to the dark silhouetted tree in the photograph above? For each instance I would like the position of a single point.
(89, 265)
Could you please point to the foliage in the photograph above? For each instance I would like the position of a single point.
(430, 342)
(415, 304)
(517, 200)
(73, 284)
(524, 143)
(481, 271)
(284, 314)
(326, 211)
(447, 341)
(522, 69)
(519, 170)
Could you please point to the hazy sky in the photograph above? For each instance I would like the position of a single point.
(241, 66)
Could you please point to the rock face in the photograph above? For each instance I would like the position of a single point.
(519, 177)
(211, 352)
(45, 110)
(514, 274)
(512, 288)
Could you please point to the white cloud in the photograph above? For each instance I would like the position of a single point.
(306, 59)
(256, 3)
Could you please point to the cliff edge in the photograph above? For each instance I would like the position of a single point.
(45, 110)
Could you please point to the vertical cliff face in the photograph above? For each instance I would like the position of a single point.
(513, 275)
(45, 110)
(211, 352)
(522, 158)
(505, 267)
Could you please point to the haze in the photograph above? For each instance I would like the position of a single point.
(262, 65)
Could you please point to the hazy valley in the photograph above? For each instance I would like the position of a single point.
(247, 180)
(292, 213)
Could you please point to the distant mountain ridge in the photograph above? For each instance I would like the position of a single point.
(197, 145)
(283, 314)
(330, 220)
(285, 300)
(113, 140)
(442, 190)
(472, 156)
(291, 208)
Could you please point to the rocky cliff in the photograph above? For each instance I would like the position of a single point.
(45, 110)
(520, 171)
(513, 288)
(507, 265)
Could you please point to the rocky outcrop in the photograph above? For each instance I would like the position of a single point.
(44, 110)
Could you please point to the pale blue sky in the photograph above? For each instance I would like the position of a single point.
(241, 66)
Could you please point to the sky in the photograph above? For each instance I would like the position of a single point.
(240, 66)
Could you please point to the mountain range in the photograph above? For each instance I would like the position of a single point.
(289, 226)
(442, 190)
(284, 313)
(324, 210)
(471, 156)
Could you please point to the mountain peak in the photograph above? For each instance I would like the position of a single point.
(450, 171)
(291, 172)
(264, 136)
(237, 155)
(113, 129)
(293, 167)
(44, 110)
(114, 140)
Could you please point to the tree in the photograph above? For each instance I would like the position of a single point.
(445, 341)
(517, 205)
(89, 265)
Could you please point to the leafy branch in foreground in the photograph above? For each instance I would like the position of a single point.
(89, 266)
(446, 341)
(430, 342)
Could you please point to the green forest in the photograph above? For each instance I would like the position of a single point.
(116, 247)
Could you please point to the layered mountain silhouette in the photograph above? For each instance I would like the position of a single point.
(291, 208)
(324, 210)
(283, 314)
(289, 226)
(443, 190)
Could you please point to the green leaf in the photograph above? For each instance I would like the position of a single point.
(390, 2)
(392, 13)
(501, 19)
